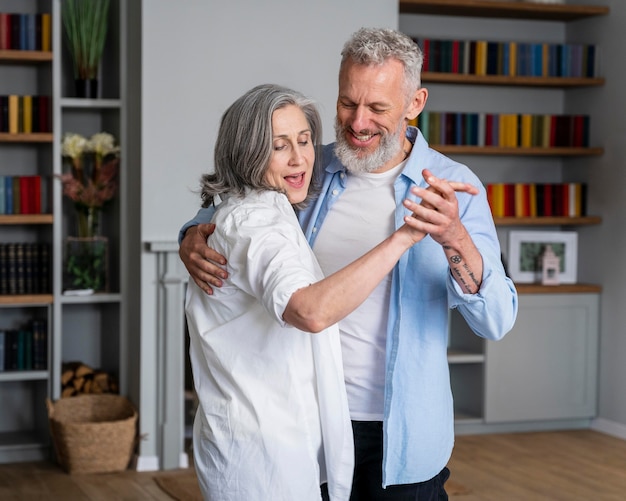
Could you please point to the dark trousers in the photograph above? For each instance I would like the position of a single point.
(368, 475)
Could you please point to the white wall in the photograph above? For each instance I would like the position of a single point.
(197, 57)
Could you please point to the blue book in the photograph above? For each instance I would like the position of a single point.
(23, 31)
(31, 31)
(2, 196)
(8, 195)
(537, 60)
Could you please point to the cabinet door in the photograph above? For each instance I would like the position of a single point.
(546, 367)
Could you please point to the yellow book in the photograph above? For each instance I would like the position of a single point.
(27, 113)
(513, 130)
(578, 199)
(481, 57)
(527, 130)
(498, 200)
(512, 59)
(46, 32)
(14, 111)
(532, 199)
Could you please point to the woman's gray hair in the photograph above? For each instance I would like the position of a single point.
(375, 46)
(245, 143)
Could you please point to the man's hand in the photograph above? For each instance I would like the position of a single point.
(202, 262)
(438, 215)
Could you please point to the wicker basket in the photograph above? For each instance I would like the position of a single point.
(93, 433)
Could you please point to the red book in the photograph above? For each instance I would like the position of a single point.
(5, 31)
(488, 129)
(547, 200)
(509, 199)
(456, 63)
(44, 113)
(578, 131)
(25, 195)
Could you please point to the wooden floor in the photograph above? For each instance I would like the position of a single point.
(550, 466)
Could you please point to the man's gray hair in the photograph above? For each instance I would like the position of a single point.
(245, 142)
(375, 46)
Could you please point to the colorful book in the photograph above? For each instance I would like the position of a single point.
(13, 114)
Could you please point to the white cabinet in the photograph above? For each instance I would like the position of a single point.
(546, 367)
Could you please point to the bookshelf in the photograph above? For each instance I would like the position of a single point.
(487, 378)
(84, 328)
(24, 385)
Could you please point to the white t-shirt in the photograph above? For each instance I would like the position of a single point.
(273, 418)
(353, 227)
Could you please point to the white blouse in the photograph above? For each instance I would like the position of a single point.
(273, 420)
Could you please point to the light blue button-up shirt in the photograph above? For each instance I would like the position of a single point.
(418, 409)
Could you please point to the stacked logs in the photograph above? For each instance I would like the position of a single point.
(78, 378)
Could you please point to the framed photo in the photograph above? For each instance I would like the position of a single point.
(527, 247)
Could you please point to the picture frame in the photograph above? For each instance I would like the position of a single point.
(527, 247)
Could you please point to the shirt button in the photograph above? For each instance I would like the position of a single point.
(314, 230)
(342, 175)
(335, 193)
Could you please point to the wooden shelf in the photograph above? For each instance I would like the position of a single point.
(511, 10)
(35, 137)
(26, 219)
(450, 149)
(27, 300)
(522, 81)
(558, 289)
(547, 221)
(25, 56)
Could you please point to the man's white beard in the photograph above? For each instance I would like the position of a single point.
(388, 148)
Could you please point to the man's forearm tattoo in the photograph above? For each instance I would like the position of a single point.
(456, 259)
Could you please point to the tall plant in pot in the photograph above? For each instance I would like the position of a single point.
(85, 23)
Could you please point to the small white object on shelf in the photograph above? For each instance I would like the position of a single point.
(78, 292)
(550, 267)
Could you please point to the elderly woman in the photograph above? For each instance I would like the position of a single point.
(273, 421)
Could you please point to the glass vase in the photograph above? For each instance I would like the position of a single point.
(86, 264)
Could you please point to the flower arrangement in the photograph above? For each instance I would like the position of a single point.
(92, 181)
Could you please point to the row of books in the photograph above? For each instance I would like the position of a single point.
(25, 31)
(24, 114)
(537, 199)
(24, 349)
(504, 129)
(20, 194)
(25, 268)
(482, 57)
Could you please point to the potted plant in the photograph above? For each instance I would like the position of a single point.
(85, 24)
